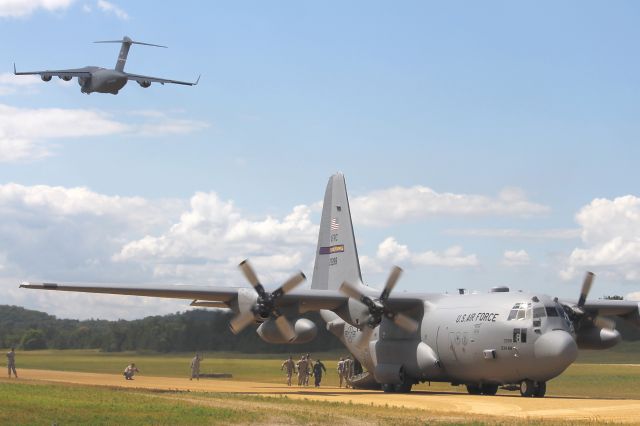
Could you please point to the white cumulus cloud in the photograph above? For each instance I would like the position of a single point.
(112, 8)
(515, 258)
(26, 133)
(390, 251)
(399, 204)
(23, 8)
(611, 239)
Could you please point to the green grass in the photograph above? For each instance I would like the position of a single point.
(30, 403)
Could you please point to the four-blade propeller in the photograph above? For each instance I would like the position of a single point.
(378, 308)
(265, 306)
(577, 313)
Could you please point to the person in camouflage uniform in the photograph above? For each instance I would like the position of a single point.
(290, 367)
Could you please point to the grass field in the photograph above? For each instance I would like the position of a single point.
(28, 403)
(591, 376)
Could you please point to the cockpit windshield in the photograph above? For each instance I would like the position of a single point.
(520, 311)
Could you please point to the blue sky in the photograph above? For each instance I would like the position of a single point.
(521, 119)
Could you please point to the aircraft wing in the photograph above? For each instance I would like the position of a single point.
(146, 79)
(307, 300)
(74, 72)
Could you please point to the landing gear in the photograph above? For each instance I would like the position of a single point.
(483, 389)
(399, 388)
(541, 389)
(488, 389)
(474, 389)
(530, 388)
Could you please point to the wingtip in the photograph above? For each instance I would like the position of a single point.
(14, 69)
(197, 80)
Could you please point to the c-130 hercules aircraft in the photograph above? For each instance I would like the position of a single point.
(96, 79)
(511, 339)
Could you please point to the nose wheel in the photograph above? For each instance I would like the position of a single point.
(530, 388)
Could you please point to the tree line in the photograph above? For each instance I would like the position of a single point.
(193, 330)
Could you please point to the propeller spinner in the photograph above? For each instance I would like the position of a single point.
(265, 306)
(379, 307)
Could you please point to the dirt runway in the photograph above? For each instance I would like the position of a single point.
(559, 408)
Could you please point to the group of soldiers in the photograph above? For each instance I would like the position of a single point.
(306, 368)
(345, 371)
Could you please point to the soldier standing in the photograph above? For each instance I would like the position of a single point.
(318, 367)
(302, 370)
(309, 369)
(195, 367)
(11, 362)
(348, 371)
(290, 367)
(341, 370)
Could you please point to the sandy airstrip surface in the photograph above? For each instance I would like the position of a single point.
(560, 408)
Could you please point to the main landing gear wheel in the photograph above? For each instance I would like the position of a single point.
(488, 389)
(388, 388)
(540, 389)
(474, 389)
(399, 388)
(527, 388)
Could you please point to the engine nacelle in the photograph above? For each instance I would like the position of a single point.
(65, 77)
(305, 330)
(598, 338)
(45, 77)
(144, 83)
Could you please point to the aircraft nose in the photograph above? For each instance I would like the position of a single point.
(554, 351)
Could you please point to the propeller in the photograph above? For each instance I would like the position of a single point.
(579, 315)
(378, 308)
(265, 306)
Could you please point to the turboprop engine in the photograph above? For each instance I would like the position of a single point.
(260, 306)
(598, 338)
(66, 77)
(144, 83)
(45, 77)
(305, 331)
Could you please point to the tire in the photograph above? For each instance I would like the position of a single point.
(527, 387)
(388, 388)
(540, 390)
(474, 389)
(403, 388)
(488, 389)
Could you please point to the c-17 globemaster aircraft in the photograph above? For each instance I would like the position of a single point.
(96, 79)
(515, 340)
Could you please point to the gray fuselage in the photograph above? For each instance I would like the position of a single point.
(475, 338)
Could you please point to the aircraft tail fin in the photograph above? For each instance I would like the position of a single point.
(124, 50)
(336, 254)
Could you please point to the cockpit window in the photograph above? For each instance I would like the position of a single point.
(539, 312)
(520, 311)
(551, 311)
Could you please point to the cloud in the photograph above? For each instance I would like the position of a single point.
(633, 296)
(213, 236)
(23, 8)
(611, 239)
(402, 204)
(111, 8)
(390, 251)
(515, 258)
(25, 133)
(533, 234)
(10, 84)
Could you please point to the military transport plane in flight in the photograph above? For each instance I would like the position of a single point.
(513, 340)
(95, 79)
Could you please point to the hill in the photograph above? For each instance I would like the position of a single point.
(194, 330)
